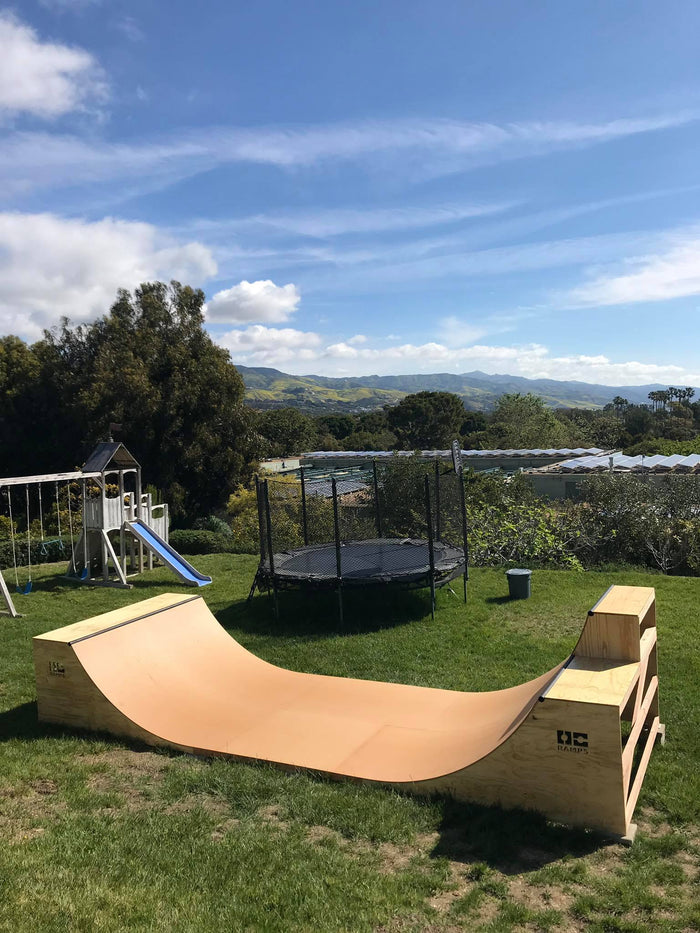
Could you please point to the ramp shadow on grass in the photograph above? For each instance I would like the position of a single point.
(511, 841)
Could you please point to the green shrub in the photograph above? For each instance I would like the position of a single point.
(520, 533)
(243, 508)
(213, 523)
(631, 519)
(193, 541)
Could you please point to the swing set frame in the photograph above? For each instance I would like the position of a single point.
(27, 481)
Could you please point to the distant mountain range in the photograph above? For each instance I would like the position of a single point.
(270, 388)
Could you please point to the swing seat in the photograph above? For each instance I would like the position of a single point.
(26, 589)
(46, 545)
(82, 575)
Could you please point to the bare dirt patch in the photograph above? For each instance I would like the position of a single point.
(127, 761)
(45, 788)
(272, 815)
(212, 806)
(223, 829)
(20, 814)
(129, 773)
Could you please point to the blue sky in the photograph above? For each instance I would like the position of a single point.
(384, 187)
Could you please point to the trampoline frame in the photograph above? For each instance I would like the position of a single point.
(436, 573)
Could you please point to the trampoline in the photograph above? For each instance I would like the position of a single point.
(382, 561)
(381, 530)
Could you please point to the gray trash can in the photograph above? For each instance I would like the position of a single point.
(519, 583)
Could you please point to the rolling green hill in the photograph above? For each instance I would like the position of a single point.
(270, 388)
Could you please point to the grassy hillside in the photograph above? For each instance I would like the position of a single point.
(270, 388)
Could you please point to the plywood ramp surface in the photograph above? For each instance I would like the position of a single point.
(164, 671)
(179, 676)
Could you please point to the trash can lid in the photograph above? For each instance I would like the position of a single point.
(518, 572)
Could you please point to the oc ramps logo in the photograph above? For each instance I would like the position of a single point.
(573, 742)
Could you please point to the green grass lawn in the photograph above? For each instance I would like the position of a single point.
(101, 834)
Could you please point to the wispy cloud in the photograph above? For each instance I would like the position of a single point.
(308, 145)
(40, 160)
(339, 222)
(671, 272)
(130, 29)
(63, 6)
(399, 265)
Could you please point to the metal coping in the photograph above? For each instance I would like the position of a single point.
(594, 609)
(146, 615)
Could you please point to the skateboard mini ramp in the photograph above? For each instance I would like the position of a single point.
(184, 570)
(165, 672)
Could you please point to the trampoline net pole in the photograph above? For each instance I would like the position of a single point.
(465, 540)
(336, 529)
(271, 556)
(431, 550)
(261, 516)
(261, 538)
(438, 536)
(377, 506)
(304, 524)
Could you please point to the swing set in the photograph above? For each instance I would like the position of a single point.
(120, 534)
(47, 546)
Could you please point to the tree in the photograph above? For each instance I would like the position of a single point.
(287, 431)
(150, 366)
(366, 440)
(19, 408)
(472, 426)
(523, 421)
(427, 420)
(338, 426)
(638, 420)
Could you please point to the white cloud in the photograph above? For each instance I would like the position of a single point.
(44, 79)
(254, 301)
(301, 352)
(673, 272)
(270, 346)
(52, 266)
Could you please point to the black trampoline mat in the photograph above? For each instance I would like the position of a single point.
(390, 559)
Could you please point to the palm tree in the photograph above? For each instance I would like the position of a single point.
(620, 405)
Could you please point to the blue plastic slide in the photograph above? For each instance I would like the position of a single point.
(168, 555)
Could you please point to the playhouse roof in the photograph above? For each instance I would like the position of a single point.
(108, 456)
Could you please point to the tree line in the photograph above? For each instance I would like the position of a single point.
(432, 420)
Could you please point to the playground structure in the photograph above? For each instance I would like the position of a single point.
(121, 529)
(165, 672)
(383, 529)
